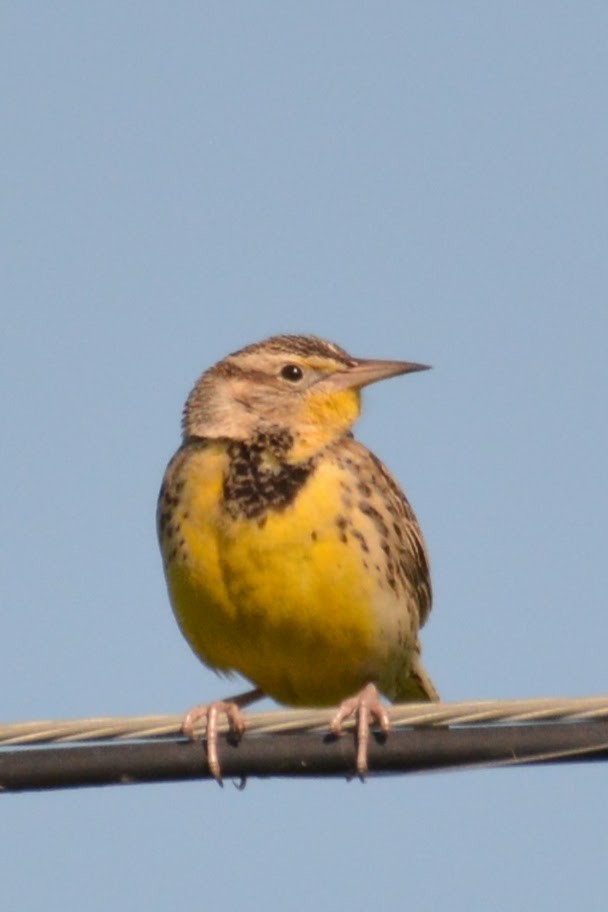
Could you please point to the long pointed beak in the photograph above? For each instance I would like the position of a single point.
(364, 372)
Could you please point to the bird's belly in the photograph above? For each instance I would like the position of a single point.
(293, 603)
(306, 624)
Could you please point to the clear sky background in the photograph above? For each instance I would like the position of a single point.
(425, 181)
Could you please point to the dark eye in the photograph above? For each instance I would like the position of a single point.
(291, 372)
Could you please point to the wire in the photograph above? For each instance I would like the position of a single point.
(472, 712)
(297, 743)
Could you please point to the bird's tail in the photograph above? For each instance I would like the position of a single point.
(417, 687)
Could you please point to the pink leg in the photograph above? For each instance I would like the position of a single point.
(367, 707)
(210, 711)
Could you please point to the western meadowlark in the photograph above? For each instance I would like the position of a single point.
(291, 555)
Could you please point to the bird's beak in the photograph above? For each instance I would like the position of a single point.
(364, 372)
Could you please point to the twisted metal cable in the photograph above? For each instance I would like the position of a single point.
(473, 712)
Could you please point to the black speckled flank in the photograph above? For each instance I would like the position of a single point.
(168, 519)
(170, 510)
(394, 538)
(251, 487)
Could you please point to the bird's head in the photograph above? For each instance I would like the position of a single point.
(300, 384)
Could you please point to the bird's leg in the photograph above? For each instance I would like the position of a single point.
(210, 711)
(366, 706)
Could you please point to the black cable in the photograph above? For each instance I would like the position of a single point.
(301, 754)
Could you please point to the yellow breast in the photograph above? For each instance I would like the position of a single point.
(295, 600)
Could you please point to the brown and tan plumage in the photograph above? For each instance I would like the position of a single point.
(291, 554)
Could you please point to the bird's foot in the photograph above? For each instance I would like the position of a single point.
(210, 712)
(367, 707)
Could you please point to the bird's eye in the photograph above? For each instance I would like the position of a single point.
(291, 372)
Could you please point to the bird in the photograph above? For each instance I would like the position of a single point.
(290, 553)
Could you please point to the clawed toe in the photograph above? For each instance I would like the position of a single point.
(211, 712)
(367, 707)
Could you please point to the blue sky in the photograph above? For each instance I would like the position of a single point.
(416, 181)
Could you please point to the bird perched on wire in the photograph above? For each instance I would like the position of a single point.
(291, 555)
